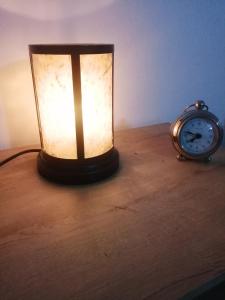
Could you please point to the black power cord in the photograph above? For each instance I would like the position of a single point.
(18, 154)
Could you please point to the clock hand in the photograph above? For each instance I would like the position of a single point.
(195, 137)
(189, 132)
(198, 135)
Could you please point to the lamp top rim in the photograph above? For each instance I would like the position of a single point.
(70, 48)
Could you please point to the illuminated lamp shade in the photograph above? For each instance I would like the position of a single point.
(73, 87)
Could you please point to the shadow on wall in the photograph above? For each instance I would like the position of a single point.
(17, 109)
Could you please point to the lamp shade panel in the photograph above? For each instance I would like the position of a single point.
(54, 91)
(96, 91)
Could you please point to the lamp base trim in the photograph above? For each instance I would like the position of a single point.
(74, 171)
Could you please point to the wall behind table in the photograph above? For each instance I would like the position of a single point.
(168, 53)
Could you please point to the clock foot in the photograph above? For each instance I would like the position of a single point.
(180, 157)
(208, 159)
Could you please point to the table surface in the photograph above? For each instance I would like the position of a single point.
(155, 230)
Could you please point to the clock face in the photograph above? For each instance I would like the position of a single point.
(198, 136)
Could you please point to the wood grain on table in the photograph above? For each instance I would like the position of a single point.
(154, 230)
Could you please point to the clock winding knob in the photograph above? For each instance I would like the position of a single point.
(200, 104)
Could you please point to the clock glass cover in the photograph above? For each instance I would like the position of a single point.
(198, 135)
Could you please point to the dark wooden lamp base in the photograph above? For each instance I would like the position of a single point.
(78, 171)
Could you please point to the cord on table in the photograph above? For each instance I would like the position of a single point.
(18, 154)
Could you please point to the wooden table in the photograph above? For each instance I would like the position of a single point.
(155, 230)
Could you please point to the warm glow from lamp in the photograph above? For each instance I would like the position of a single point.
(74, 97)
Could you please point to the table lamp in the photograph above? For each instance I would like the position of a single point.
(73, 86)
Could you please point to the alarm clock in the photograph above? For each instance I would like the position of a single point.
(197, 133)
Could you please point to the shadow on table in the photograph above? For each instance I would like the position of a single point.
(211, 290)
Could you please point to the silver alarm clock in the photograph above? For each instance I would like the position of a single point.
(197, 133)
